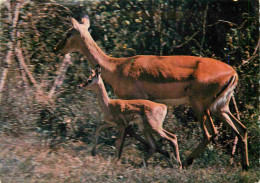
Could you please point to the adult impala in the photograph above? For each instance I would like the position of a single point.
(203, 83)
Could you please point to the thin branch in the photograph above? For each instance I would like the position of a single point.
(5, 71)
(19, 54)
(228, 22)
(193, 35)
(202, 52)
(254, 54)
(60, 5)
(39, 94)
(188, 40)
(204, 28)
(25, 80)
(61, 75)
(8, 59)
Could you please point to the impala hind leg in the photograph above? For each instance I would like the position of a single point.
(97, 134)
(209, 132)
(174, 143)
(131, 132)
(239, 129)
(120, 141)
(152, 147)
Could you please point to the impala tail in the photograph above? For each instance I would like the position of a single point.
(223, 97)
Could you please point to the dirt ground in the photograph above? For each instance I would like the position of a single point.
(29, 158)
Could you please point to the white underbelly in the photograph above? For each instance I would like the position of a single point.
(174, 102)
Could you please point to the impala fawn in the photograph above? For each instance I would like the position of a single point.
(121, 113)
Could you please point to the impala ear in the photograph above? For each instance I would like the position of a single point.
(85, 21)
(74, 23)
(98, 70)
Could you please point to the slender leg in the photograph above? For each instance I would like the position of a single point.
(236, 138)
(234, 148)
(239, 129)
(243, 142)
(212, 126)
(121, 145)
(208, 134)
(120, 141)
(131, 132)
(97, 134)
(152, 146)
(174, 143)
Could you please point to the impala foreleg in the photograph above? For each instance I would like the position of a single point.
(97, 134)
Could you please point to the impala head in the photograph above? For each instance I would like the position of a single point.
(93, 80)
(72, 40)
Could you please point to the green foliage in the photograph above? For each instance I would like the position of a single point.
(127, 28)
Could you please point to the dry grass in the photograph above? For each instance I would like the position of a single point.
(27, 159)
(29, 155)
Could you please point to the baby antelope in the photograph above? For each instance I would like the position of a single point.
(121, 113)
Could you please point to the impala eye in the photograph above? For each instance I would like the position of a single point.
(89, 81)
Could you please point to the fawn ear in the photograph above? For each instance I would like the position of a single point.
(85, 21)
(74, 23)
(98, 70)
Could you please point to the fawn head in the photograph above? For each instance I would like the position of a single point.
(93, 79)
(72, 40)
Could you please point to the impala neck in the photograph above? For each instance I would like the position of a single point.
(95, 55)
(103, 99)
